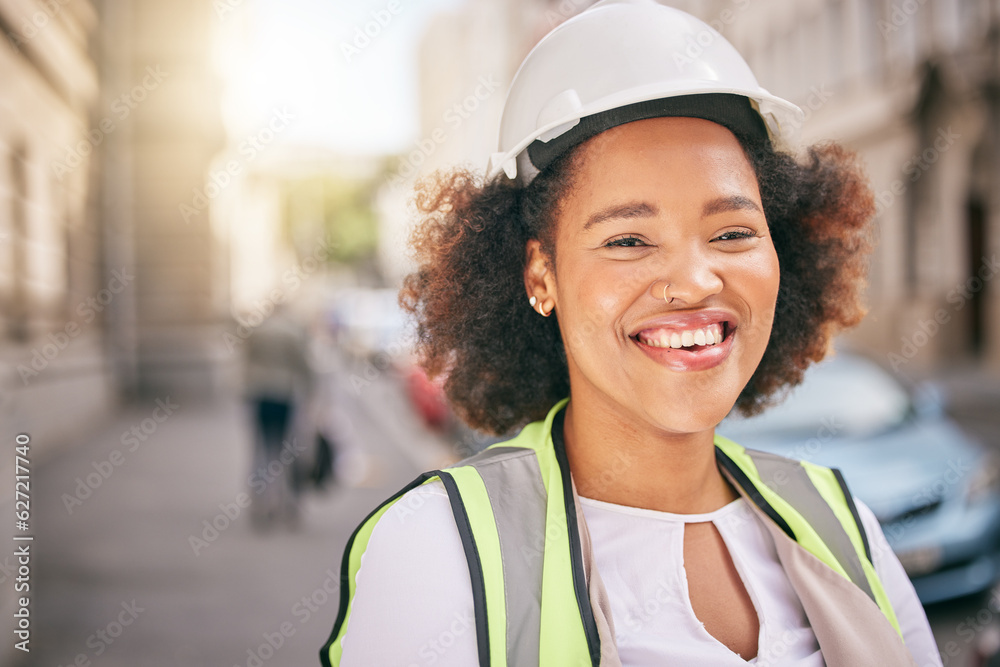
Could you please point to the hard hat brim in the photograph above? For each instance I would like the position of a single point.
(781, 118)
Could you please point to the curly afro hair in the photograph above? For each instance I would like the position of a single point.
(470, 249)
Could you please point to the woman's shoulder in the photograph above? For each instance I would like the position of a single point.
(421, 515)
(415, 534)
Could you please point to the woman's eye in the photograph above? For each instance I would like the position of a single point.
(735, 235)
(625, 242)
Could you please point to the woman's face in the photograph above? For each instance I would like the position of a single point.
(658, 202)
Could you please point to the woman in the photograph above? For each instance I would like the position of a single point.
(649, 254)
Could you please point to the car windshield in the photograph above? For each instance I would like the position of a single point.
(849, 394)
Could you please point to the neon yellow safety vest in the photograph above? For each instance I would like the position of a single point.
(514, 507)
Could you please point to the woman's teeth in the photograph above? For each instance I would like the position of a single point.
(709, 335)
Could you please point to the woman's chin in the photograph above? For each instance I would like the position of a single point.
(674, 420)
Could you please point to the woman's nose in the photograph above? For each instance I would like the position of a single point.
(686, 279)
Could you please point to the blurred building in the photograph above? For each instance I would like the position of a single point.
(109, 122)
(107, 125)
(51, 239)
(168, 330)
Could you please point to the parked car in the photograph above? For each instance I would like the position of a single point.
(429, 401)
(932, 487)
(427, 397)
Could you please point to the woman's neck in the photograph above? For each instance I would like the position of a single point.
(617, 462)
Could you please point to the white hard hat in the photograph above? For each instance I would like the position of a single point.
(623, 60)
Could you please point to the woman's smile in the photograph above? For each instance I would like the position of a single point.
(688, 341)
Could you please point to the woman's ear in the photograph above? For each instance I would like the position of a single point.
(539, 280)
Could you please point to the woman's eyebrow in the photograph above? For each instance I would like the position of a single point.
(630, 210)
(730, 203)
(646, 210)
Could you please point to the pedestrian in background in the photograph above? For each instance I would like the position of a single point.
(278, 383)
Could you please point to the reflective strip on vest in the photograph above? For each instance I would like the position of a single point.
(831, 485)
(520, 519)
(798, 490)
(527, 488)
(816, 510)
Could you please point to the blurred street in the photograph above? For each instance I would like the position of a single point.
(124, 555)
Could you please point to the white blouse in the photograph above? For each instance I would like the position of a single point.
(413, 604)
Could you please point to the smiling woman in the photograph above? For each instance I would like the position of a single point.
(641, 259)
(695, 232)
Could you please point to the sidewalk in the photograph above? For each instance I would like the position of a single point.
(147, 557)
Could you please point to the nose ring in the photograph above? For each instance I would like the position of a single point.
(671, 300)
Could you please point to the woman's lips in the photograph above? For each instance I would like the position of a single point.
(691, 355)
